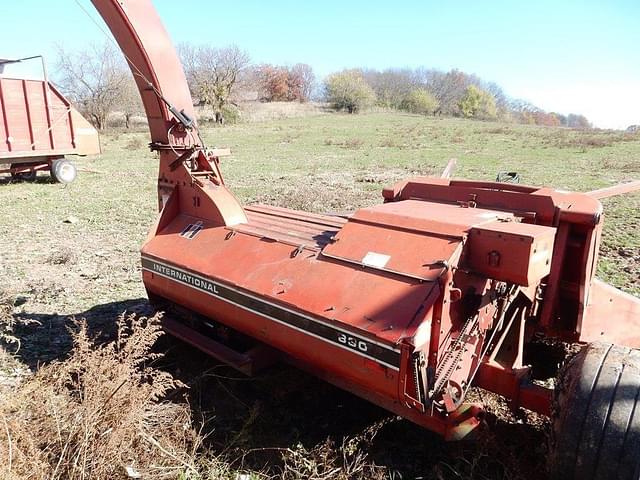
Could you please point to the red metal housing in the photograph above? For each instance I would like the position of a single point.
(407, 303)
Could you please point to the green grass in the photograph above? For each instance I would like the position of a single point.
(382, 142)
(323, 163)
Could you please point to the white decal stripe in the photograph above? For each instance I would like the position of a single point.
(363, 354)
(248, 295)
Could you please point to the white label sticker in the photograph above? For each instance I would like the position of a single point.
(373, 259)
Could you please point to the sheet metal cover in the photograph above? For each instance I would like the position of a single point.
(432, 218)
(414, 254)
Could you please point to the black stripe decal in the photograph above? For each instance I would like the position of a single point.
(387, 356)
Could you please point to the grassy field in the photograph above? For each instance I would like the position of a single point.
(73, 251)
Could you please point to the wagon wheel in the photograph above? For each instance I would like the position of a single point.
(596, 415)
(29, 176)
(63, 171)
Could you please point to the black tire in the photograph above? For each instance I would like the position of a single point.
(596, 416)
(63, 171)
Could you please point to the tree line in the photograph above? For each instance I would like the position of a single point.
(435, 92)
(98, 81)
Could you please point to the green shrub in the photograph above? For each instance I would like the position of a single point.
(349, 91)
(420, 101)
(478, 103)
(231, 114)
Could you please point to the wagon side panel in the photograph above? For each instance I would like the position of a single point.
(36, 102)
(17, 138)
(61, 124)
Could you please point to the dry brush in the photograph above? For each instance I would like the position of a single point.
(100, 414)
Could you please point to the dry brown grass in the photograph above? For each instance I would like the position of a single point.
(62, 256)
(353, 143)
(586, 139)
(266, 111)
(9, 323)
(349, 143)
(326, 461)
(100, 414)
(390, 143)
(499, 130)
(6, 317)
(135, 143)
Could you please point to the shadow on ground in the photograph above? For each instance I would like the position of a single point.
(252, 421)
(40, 179)
(47, 336)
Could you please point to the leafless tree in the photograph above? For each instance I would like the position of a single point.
(95, 79)
(578, 121)
(306, 78)
(129, 103)
(501, 98)
(518, 105)
(392, 85)
(214, 74)
(449, 88)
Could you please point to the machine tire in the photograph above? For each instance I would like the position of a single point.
(24, 176)
(63, 171)
(596, 415)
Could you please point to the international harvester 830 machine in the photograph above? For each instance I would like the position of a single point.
(408, 304)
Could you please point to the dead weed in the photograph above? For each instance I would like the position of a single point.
(326, 461)
(584, 140)
(100, 414)
(9, 322)
(349, 143)
(62, 256)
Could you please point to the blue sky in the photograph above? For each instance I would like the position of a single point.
(567, 56)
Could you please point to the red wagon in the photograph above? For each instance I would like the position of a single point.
(39, 127)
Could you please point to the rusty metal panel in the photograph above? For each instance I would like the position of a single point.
(38, 121)
(310, 231)
(17, 120)
(381, 307)
(611, 316)
(411, 237)
(513, 252)
(433, 218)
(413, 254)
